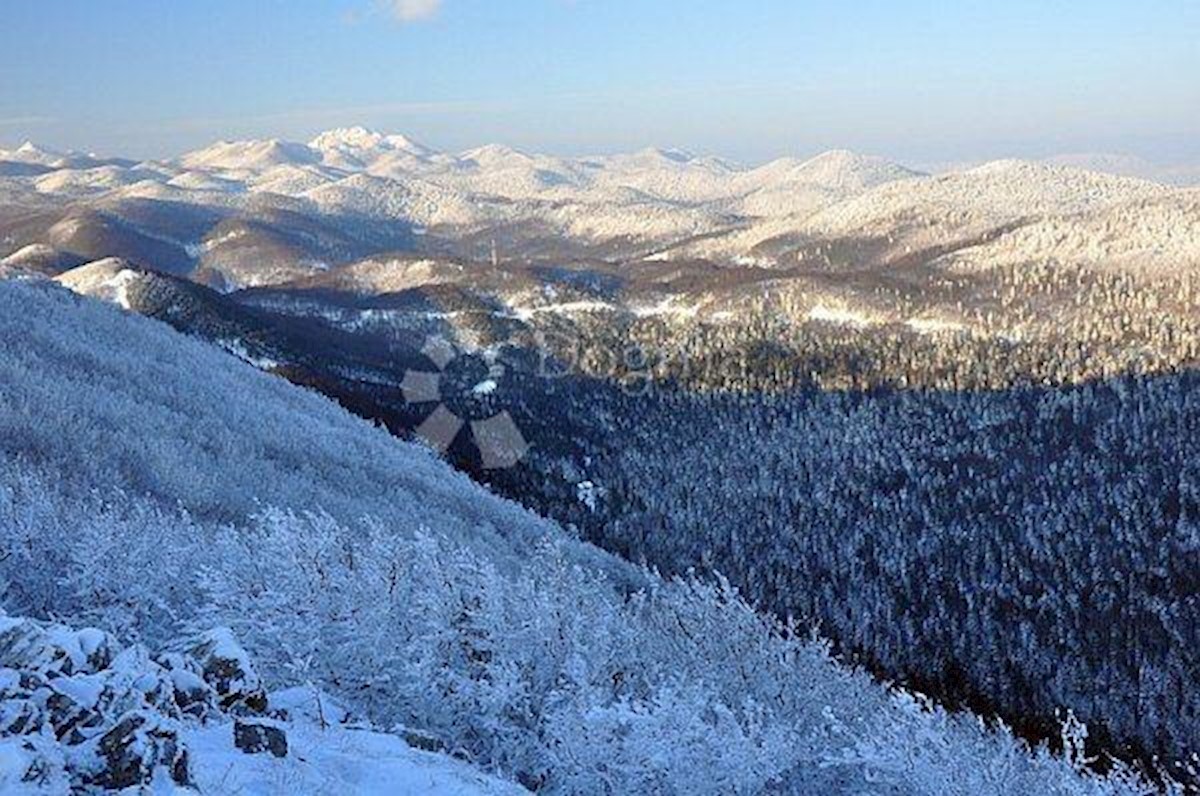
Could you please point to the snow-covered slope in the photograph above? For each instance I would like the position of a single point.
(249, 156)
(137, 373)
(331, 762)
(106, 279)
(138, 471)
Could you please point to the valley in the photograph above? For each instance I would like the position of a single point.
(937, 420)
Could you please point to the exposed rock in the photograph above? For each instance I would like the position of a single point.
(19, 716)
(69, 727)
(423, 741)
(226, 666)
(52, 649)
(77, 714)
(190, 692)
(257, 736)
(132, 750)
(71, 716)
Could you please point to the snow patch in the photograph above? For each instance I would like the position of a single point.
(838, 315)
(933, 325)
(667, 306)
(332, 761)
(564, 308)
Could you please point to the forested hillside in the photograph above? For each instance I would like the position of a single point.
(954, 509)
(152, 486)
(1024, 550)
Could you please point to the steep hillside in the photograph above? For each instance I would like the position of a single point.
(150, 484)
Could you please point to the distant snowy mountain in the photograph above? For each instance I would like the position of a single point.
(1131, 166)
(504, 186)
(40, 158)
(838, 169)
(30, 152)
(249, 156)
(362, 140)
(352, 192)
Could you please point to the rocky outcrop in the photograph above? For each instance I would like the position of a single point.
(79, 712)
(131, 752)
(52, 649)
(257, 736)
(226, 667)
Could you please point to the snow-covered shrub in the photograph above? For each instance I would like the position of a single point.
(548, 675)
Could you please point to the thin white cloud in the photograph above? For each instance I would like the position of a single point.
(414, 10)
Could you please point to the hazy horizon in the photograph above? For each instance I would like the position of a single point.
(920, 84)
(933, 166)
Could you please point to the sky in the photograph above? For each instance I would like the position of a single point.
(918, 80)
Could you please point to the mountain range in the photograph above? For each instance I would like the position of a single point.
(296, 209)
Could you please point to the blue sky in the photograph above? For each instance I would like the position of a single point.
(924, 80)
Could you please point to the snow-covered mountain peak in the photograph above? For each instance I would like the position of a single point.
(1130, 166)
(361, 139)
(347, 137)
(669, 154)
(1019, 168)
(29, 152)
(1011, 166)
(837, 157)
(495, 155)
(250, 155)
(1066, 183)
(844, 168)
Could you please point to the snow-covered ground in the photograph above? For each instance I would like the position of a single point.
(332, 762)
(329, 762)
